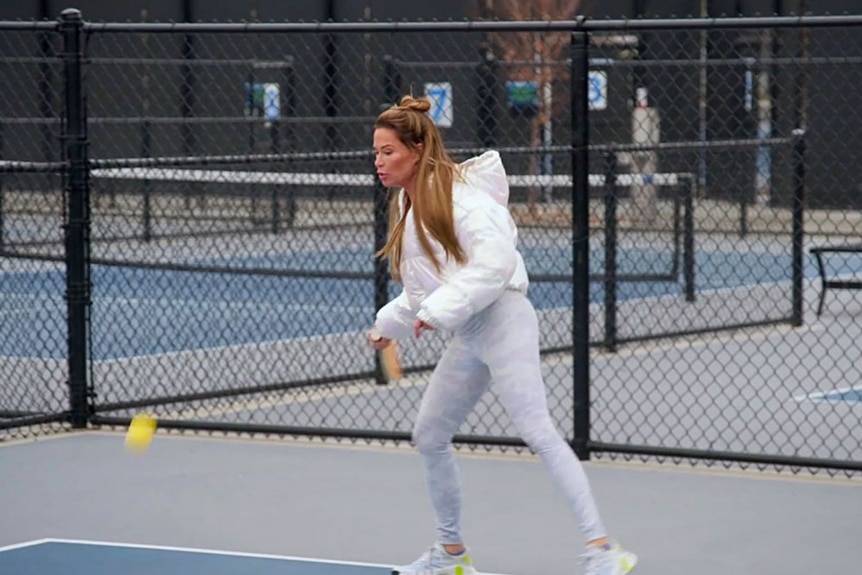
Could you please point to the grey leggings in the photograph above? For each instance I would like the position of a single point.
(499, 347)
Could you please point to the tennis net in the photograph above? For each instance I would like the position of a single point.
(326, 211)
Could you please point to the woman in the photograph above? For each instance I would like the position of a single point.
(453, 247)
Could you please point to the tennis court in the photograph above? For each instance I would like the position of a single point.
(233, 312)
(95, 558)
(134, 306)
(196, 505)
(191, 257)
(221, 313)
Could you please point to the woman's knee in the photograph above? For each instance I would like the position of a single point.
(429, 438)
(539, 433)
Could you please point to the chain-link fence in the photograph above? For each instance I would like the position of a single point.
(188, 216)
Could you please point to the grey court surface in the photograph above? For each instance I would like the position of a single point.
(79, 504)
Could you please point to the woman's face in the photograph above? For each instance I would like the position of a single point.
(396, 163)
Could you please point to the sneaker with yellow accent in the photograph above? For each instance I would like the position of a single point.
(608, 560)
(436, 561)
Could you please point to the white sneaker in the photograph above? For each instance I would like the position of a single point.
(613, 560)
(436, 561)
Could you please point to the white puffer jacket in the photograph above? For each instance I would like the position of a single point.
(489, 238)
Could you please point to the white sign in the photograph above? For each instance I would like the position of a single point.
(440, 96)
(271, 102)
(598, 94)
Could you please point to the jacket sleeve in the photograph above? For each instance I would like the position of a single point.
(487, 235)
(395, 319)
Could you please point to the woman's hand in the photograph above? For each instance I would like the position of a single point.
(376, 340)
(419, 326)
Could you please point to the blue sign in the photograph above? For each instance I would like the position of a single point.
(440, 96)
(598, 90)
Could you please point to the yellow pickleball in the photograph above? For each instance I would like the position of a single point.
(140, 432)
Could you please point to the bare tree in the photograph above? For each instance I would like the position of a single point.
(532, 56)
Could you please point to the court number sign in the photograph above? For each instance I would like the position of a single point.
(440, 96)
(598, 89)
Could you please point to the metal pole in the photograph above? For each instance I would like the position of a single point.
(610, 275)
(78, 220)
(381, 216)
(688, 239)
(798, 223)
(580, 243)
(2, 208)
(381, 269)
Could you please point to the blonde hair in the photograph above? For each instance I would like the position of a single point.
(432, 199)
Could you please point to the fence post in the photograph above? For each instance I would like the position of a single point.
(2, 207)
(688, 239)
(78, 218)
(610, 275)
(798, 222)
(381, 268)
(580, 243)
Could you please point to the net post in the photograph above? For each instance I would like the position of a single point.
(688, 239)
(580, 242)
(798, 221)
(610, 275)
(77, 219)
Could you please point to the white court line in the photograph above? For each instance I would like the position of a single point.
(734, 334)
(207, 552)
(25, 544)
(31, 302)
(163, 302)
(167, 301)
(821, 395)
(19, 311)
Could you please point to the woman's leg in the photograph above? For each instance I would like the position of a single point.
(510, 347)
(457, 383)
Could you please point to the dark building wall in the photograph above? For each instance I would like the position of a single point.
(340, 80)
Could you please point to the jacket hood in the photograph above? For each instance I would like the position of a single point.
(486, 173)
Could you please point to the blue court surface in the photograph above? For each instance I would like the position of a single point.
(68, 557)
(142, 311)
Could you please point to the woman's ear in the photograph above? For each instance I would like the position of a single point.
(419, 147)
